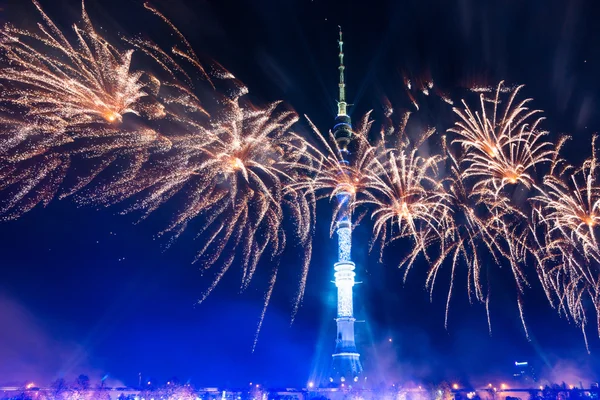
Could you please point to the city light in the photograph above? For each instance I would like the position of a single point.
(169, 390)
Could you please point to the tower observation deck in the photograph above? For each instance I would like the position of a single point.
(346, 359)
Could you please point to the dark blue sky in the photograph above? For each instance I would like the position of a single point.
(87, 290)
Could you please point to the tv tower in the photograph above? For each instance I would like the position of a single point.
(346, 359)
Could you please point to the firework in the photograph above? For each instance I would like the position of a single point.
(567, 211)
(571, 207)
(406, 197)
(502, 148)
(90, 81)
(499, 148)
(66, 100)
(322, 171)
(388, 180)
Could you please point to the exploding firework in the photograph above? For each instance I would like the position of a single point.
(502, 148)
(323, 171)
(90, 81)
(477, 231)
(406, 197)
(567, 211)
(230, 170)
(571, 207)
(232, 178)
(64, 100)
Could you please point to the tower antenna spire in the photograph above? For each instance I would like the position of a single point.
(342, 85)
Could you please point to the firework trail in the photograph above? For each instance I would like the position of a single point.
(425, 85)
(472, 230)
(485, 230)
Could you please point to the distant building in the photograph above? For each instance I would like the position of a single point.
(524, 373)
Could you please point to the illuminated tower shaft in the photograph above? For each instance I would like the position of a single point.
(346, 359)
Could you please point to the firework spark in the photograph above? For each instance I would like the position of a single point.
(571, 207)
(472, 230)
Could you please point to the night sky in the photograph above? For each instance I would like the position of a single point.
(88, 291)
